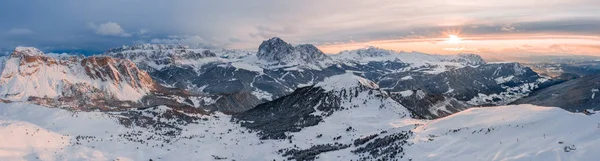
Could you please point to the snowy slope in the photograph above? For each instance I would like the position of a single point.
(212, 137)
(522, 132)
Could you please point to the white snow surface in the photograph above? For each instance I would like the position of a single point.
(501, 80)
(521, 132)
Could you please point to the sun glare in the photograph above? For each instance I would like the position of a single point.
(454, 39)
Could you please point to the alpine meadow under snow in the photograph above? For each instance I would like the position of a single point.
(288, 102)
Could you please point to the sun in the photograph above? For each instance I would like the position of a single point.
(454, 39)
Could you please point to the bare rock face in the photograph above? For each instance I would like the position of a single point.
(117, 71)
(278, 51)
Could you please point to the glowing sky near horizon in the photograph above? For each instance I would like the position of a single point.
(488, 27)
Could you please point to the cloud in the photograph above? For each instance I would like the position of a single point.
(58, 23)
(20, 31)
(180, 39)
(143, 31)
(267, 32)
(508, 28)
(234, 40)
(109, 29)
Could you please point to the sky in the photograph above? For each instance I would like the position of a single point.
(492, 28)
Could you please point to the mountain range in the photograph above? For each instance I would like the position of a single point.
(164, 102)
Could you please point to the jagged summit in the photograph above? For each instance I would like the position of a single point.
(277, 50)
(29, 51)
(471, 59)
(274, 49)
(372, 51)
(310, 52)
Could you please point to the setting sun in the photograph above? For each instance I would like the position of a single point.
(453, 39)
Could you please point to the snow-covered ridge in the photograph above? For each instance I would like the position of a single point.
(378, 54)
(345, 81)
(417, 60)
(158, 56)
(30, 73)
(275, 53)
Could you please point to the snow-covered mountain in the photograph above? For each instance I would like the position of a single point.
(454, 82)
(428, 63)
(368, 104)
(28, 74)
(340, 96)
(89, 83)
(432, 86)
(157, 56)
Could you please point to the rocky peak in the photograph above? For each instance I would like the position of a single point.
(26, 51)
(470, 59)
(309, 52)
(374, 52)
(274, 49)
(277, 50)
(32, 58)
(117, 70)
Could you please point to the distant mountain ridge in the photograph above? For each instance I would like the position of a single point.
(84, 83)
(240, 80)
